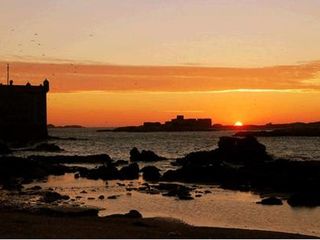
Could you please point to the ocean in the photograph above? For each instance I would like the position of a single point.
(171, 144)
(220, 207)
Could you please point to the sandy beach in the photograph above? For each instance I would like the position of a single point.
(21, 224)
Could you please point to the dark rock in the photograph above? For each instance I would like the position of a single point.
(185, 197)
(130, 214)
(198, 195)
(134, 154)
(129, 172)
(50, 197)
(133, 214)
(83, 191)
(305, 199)
(35, 188)
(98, 158)
(77, 175)
(101, 197)
(91, 198)
(243, 164)
(121, 162)
(113, 197)
(270, 201)
(47, 147)
(207, 191)
(12, 184)
(4, 149)
(245, 150)
(175, 190)
(106, 172)
(144, 156)
(151, 173)
(153, 191)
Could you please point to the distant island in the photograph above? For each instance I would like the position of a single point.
(65, 126)
(291, 129)
(178, 124)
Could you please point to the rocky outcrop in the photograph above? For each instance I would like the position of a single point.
(106, 172)
(99, 158)
(175, 190)
(144, 156)
(49, 197)
(270, 201)
(4, 149)
(151, 173)
(129, 172)
(47, 147)
(243, 164)
(130, 214)
(24, 170)
(305, 199)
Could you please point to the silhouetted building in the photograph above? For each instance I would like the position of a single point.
(23, 112)
(184, 124)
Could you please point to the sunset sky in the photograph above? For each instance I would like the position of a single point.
(115, 63)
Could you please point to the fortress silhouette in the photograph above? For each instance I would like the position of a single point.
(23, 112)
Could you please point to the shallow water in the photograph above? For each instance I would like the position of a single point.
(220, 208)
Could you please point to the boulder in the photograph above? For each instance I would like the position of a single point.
(151, 173)
(270, 201)
(121, 162)
(4, 149)
(175, 190)
(49, 197)
(101, 197)
(35, 188)
(113, 197)
(144, 156)
(12, 184)
(48, 147)
(245, 150)
(129, 172)
(133, 214)
(130, 214)
(106, 172)
(304, 199)
(58, 159)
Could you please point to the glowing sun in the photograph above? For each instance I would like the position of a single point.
(238, 124)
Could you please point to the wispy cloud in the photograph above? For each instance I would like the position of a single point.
(72, 77)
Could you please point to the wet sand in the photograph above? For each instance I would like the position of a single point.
(21, 224)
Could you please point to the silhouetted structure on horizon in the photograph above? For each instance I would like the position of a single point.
(23, 112)
(177, 124)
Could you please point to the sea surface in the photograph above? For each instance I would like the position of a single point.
(222, 208)
(171, 144)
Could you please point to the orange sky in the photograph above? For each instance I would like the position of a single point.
(114, 63)
(106, 95)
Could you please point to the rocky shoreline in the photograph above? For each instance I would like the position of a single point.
(238, 164)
